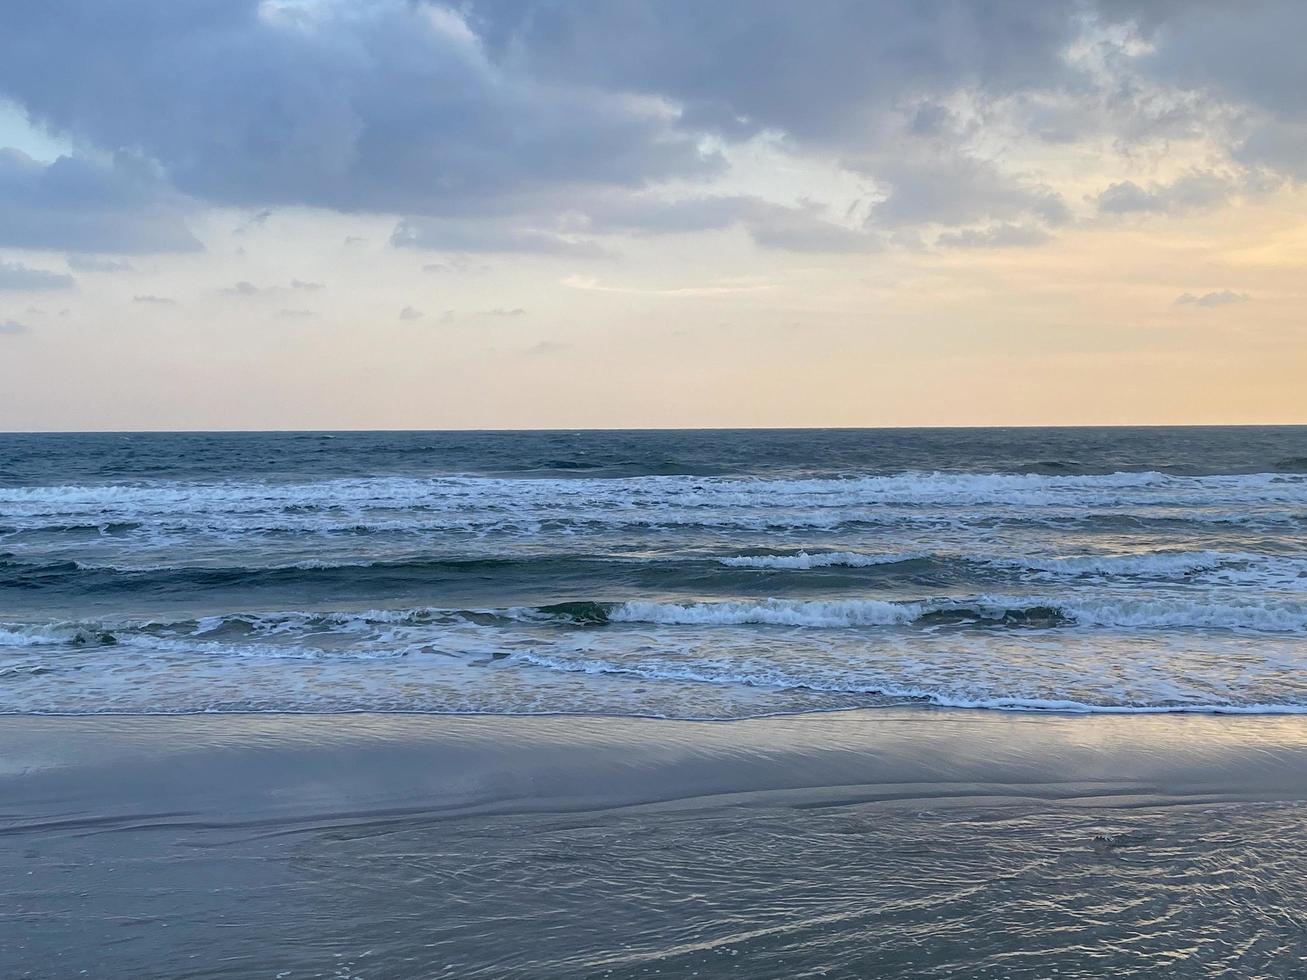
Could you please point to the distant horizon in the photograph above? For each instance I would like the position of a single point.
(650, 428)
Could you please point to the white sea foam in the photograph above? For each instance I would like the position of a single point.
(1159, 565)
(1253, 613)
(772, 612)
(1214, 567)
(12, 635)
(670, 499)
(885, 688)
(824, 559)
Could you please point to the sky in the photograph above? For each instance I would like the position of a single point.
(334, 214)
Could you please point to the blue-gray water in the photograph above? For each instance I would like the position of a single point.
(707, 574)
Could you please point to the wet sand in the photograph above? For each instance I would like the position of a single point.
(912, 842)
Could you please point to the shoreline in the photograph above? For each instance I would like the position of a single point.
(848, 843)
(1030, 707)
(1175, 754)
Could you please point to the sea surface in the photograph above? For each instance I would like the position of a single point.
(687, 574)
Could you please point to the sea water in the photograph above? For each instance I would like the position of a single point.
(688, 574)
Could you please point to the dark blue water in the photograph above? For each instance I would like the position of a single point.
(42, 459)
(688, 573)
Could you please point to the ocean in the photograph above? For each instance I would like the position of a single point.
(682, 574)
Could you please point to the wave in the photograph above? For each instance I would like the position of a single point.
(909, 488)
(358, 573)
(1254, 615)
(769, 612)
(54, 634)
(803, 560)
(1154, 564)
(1280, 570)
(1271, 569)
(1263, 615)
(101, 528)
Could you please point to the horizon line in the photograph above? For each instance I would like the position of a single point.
(666, 428)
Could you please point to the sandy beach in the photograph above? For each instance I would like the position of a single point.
(888, 842)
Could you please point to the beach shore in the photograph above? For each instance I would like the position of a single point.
(406, 845)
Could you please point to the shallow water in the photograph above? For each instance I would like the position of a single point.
(888, 843)
(682, 574)
(905, 891)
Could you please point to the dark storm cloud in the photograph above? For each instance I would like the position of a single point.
(491, 124)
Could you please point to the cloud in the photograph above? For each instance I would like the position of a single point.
(247, 288)
(16, 276)
(95, 263)
(500, 311)
(12, 328)
(1248, 56)
(409, 313)
(498, 125)
(152, 300)
(1222, 297)
(1193, 191)
(291, 314)
(519, 110)
(957, 189)
(387, 106)
(996, 236)
(833, 71)
(804, 227)
(469, 236)
(81, 205)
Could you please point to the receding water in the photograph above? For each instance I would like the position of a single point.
(758, 892)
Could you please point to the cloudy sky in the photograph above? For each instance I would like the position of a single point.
(524, 213)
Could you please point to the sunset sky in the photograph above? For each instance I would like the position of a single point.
(541, 213)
